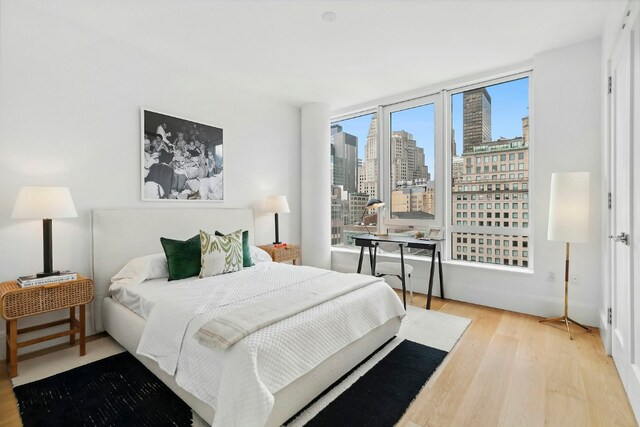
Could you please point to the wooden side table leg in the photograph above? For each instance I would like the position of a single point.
(72, 321)
(83, 349)
(13, 348)
(7, 355)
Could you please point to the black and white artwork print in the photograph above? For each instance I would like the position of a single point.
(181, 159)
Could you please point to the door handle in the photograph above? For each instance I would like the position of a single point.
(622, 237)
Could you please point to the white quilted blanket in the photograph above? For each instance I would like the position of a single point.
(239, 383)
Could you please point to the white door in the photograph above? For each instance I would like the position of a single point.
(633, 376)
(625, 321)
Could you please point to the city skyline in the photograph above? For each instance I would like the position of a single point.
(509, 103)
(489, 172)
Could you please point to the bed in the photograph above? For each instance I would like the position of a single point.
(123, 234)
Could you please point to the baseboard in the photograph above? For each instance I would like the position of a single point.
(512, 299)
(605, 331)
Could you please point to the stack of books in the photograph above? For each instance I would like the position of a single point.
(64, 276)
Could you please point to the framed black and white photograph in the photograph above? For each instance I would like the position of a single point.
(181, 159)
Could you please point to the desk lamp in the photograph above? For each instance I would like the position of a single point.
(371, 204)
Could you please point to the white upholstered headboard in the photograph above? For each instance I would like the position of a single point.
(120, 235)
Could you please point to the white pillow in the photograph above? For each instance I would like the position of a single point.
(259, 255)
(140, 269)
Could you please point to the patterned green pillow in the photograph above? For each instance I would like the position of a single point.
(246, 252)
(220, 254)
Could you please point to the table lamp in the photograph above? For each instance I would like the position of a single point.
(371, 204)
(45, 203)
(568, 222)
(277, 204)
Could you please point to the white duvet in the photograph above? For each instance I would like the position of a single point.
(239, 383)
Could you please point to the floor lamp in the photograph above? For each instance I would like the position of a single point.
(569, 223)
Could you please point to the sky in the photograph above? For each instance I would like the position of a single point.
(509, 104)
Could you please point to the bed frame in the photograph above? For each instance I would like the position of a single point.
(123, 234)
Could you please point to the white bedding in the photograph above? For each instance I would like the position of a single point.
(264, 362)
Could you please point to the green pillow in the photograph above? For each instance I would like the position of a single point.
(183, 257)
(246, 251)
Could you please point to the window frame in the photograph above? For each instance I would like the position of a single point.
(450, 226)
(384, 134)
(353, 115)
(441, 95)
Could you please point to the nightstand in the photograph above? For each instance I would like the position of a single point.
(290, 252)
(18, 302)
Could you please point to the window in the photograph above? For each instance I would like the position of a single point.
(484, 133)
(354, 177)
(409, 138)
(492, 121)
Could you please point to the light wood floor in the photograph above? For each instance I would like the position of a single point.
(507, 370)
(510, 370)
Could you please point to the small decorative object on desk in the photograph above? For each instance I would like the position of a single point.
(434, 233)
(64, 276)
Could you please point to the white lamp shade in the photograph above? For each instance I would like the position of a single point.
(569, 207)
(277, 204)
(44, 202)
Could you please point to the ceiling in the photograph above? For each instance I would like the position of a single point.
(375, 48)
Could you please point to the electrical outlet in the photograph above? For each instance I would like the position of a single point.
(551, 277)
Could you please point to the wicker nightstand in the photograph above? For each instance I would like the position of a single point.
(288, 253)
(18, 302)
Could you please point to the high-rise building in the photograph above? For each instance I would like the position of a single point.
(416, 197)
(344, 159)
(368, 172)
(339, 213)
(407, 159)
(476, 124)
(357, 203)
(457, 167)
(491, 189)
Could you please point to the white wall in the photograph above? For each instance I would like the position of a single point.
(315, 123)
(566, 103)
(70, 103)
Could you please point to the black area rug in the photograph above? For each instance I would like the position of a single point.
(120, 391)
(382, 395)
(115, 391)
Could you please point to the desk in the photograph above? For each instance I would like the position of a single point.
(372, 241)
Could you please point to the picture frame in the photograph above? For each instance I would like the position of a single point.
(181, 159)
(435, 233)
